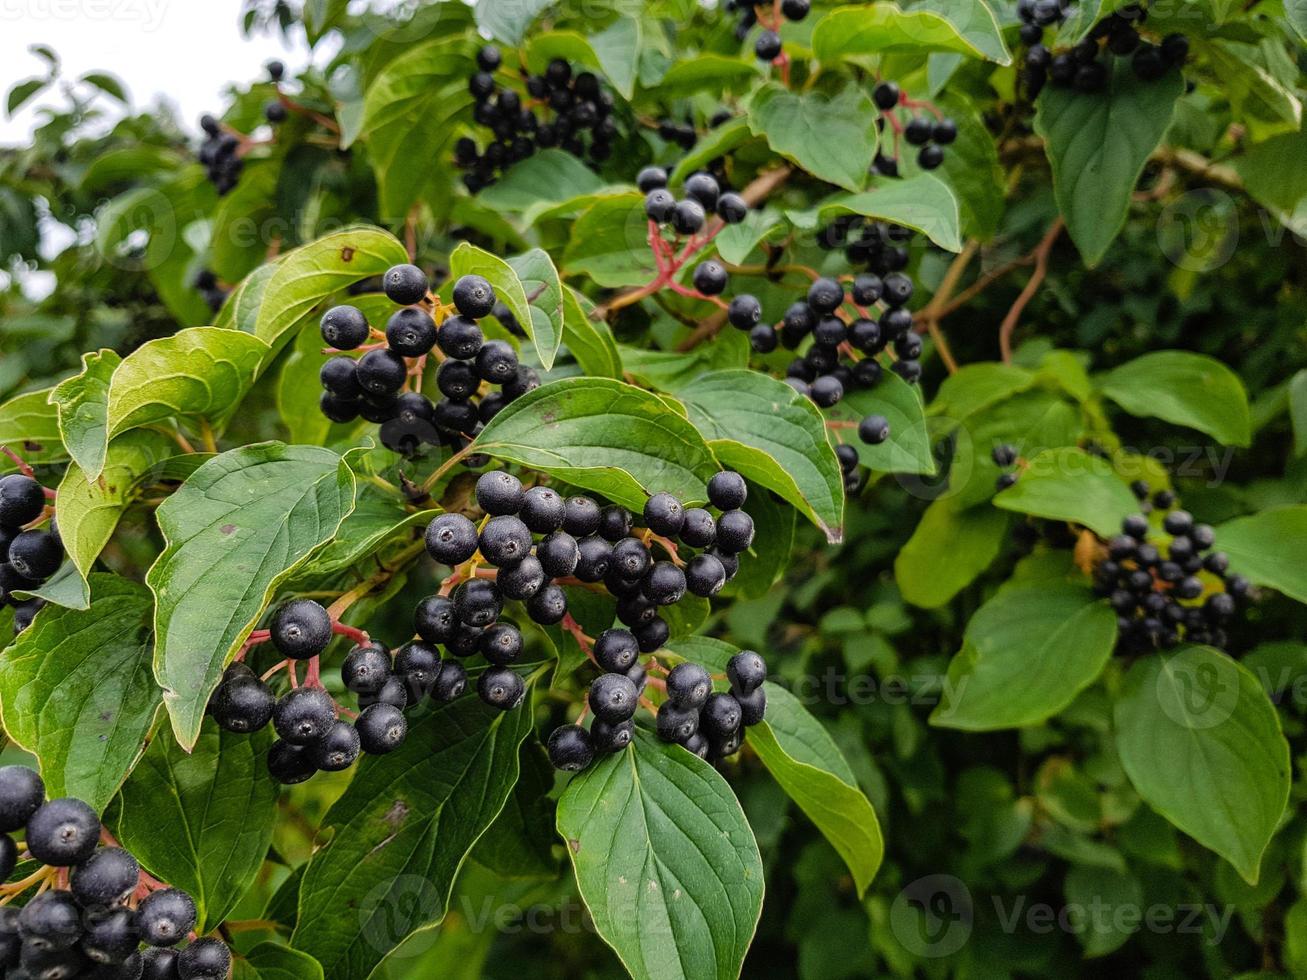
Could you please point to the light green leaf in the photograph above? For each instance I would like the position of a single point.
(922, 202)
(401, 832)
(1026, 654)
(543, 292)
(610, 243)
(589, 340)
(877, 28)
(551, 175)
(273, 961)
(1298, 411)
(1267, 548)
(1069, 484)
(949, 548)
(665, 861)
(312, 273)
(1184, 388)
(705, 71)
(1110, 901)
(29, 425)
(774, 436)
(1098, 144)
(603, 435)
(202, 820)
(907, 450)
(975, 387)
(76, 690)
(235, 529)
(833, 138)
(1202, 745)
(977, 24)
(82, 402)
(507, 20)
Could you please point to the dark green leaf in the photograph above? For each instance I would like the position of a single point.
(1267, 548)
(833, 139)
(1184, 388)
(949, 548)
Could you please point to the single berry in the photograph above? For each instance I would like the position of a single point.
(727, 490)
(558, 554)
(21, 793)
(650, 179)
(710, 277)
(451, 682)
(501, 688)
(608, 738)
(659, 205)
(744, 311)
(381, 728)
(616, 650)
(570, 748)
(107, 877)
(615, 523)
(451, 539)
(50, 921)
(542, 510)
(405, 284)
(548, 606)
(768, 46)
(732, 208)
(204, 959)
(1005, 454)
(676, 724)
(382, 371)
(460, 337)
(243, 704)
(752, 706)
(705, 576)
(411, 332)
(109, 935)
(581, 516)
(703, 188)
(664, 515)
(886, 95)
(474, 296)
(664, 583)
(489, 58)
(613, 698)
(304, 715)
(289, 764)
(734, 532)
(522, 580)
(825, 296)
(721, 715)
(699, 530)
(337, 750)
(300, 629)
(478, 602)
(687, 216)
(746, 671)
(496, 362)
(340, 377)
(930, 157)
(873, 430)
(165, 917)
(434, 619)
(63, 832)
(366, 668)
(21, 500)
(688, 686)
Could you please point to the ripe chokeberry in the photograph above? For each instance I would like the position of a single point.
(825, 296)
(108, 877)
(382, 372)
(522, 580)
(204, 959)
(663, 514)
(570, 748)
(613, 698)
(21, 793)
(734, 532)
(610, 737)
(405, 284)
(411, 332)
(873, 430)
(664, 584)
(242, 704)
(474, 296)
(21, 500)
(687, 217)
(366, 668)
(505, 540)
(676, 724)
(710, 277)
(746, 672)
(304, 715)
(501, 688)
(542, 510)
(165, 917)
(688, 685)
(616, 650)
(338, 749)
(63, 832)
(451, 539)
(289, 764)
(381, 728)
(768, 46)
(300, 629)
(558, 554)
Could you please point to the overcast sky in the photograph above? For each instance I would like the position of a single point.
(184, 50)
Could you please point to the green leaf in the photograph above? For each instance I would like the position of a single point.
(106, 83)
(923, 202)
(603, 435)
(1202, 745)
(713, 144)
(971, 168)
(833, 139)
(706, 71)
(1267, 548)
(29, 425)
(65, 588)
(82, 402)
(774, 436)
(409, 114)
(610, 243)
(1069, 484)
(882, 27)
(975, 387)
(202, 372)
(402, 830)
(949, 548)
(807, 764)
(551, 175)
(507, 20)
(202, 820)
(273, 961)
(241, 523)
(89, 509)
(662, 849)
(1026, 654)
(589, 340)
(1110, 901)
(1098, 144)
(309, 275)
(543, 292)
(1184, 388)
(77, 692)
(22, 92)
(241, 310)
(975, 21)
(1263, 103)
(907, 450)
(617, 48)
(1298, 411)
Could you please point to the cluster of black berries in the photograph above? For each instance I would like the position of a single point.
(821, 373)
(28, 554)
(880, 246)
(1005, 457)
(1159, 593)
(703, 195)
(707, 723)
(219, 153)
(578, 103)
(311, 736)
(375, 385)
(206, 283)
(1086, 67)
(768, 44)
(583, 542)
(929, 135)
(93, 922)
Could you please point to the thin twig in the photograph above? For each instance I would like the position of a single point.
(1032, 286)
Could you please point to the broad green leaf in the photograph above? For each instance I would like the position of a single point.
(20, 93)
(299, 403)
(774, 436)
(89, 510)
(603, 435)
(83, 405)
(706, 71)
(77, 692)
(665, 861)
(971, 168)
(241, 310)
(589, 340)
(1110, 901)
(1026, 654)
(977, 24)
(234, 250)
(467, 259)
(377, 517)
(507, 20)
(1069, 484)
(409, 114)
(66, 588)
(550, 175)
(199, 373)
(312, 273)
(273, 961)
(1267, 548)
(236, 528)
(1264, 104)
(923, 202)
(1298, 411)
(949, 548)
(610, 243)
(543, 293)
(877, 28)
(907, 450)
(671, 370)
(1202, 745)
(833, 138)
(975, 387)
(1098, 144)
(1272, 176)
(29, 425)
(106, 83)
(202, 820)
(715, 143)
(1184, 388)
(402, 830)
